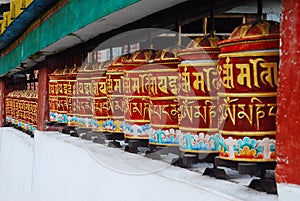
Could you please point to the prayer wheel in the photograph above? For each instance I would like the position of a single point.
(33, 107)
(71, 76)
(99, 97)
(114, 85)
(136, 95)
(58, 96)
(248, 65)
(198, 83)
(8, 107)
(82, 99)
(163, 91)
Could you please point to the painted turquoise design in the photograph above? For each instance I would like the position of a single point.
(164, 137)
(136, 130)
(53, 116)
(109, 125)
(200, 142)
(247, 142)
(62, 118)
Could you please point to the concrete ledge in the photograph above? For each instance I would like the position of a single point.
(67, 168)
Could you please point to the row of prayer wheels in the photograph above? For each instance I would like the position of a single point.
(215, 96)
(21, 109)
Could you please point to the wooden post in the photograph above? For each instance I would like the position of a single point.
(288, 102)
(43, 108)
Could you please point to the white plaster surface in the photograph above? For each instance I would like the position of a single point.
(290, 192)
(55, 167)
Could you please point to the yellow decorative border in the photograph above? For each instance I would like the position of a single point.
(248, 54)
(136, 97)
(248, 95)
(164, 98)
(198, 97)
(164, 126)
(135, 137)
(197, 64)
(198, 151)
(198, 129)
(247, 133)
(247, 159)
(249, 42)
(162, 70)
(137, 121)
(166, 145)
(198, 52)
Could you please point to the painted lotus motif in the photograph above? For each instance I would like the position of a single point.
(170, 136)
(247, 148)
(199, 142)
(112, 125)
(136, 130)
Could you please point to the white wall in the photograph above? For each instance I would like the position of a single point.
(57, 167)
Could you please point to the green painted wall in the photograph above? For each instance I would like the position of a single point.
(73, 16)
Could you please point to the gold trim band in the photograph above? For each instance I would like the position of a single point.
(248, 95)
(250, 160)
(137, 121)
(248, 54)
(164, 98)
(197, 64)
(198, 129)
(247, 133)
(165, 145)
(137, 97)
(163, 70)
(198, 151)
(198, 97)
(164, 126)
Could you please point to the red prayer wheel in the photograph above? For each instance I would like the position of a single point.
(71, 76)
(248, 65)
(163, 92)
(53, 99)
(82, 100)
(99, 97)
(8, 107)
(198, 85)
(136, 95)
(115, 97)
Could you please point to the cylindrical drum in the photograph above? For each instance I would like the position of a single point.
(136, 95)
(198, 85)
(34, 107)
(26, 116)
(71, 76)
(115, 97)
(99, 97)
(248, 65)
(62, 96)
(82, 99)
(164, 107)
(8, 107)
(53, 99)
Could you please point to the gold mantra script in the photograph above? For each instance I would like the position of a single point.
(208, 77)
(249, 112)
(159, 110)
(142, 108)
(114, 84)
(89, 88)
(191, 109)
(146, 82)
(268, 75)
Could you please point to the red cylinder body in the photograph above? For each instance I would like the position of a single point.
(164, 107)
(136, 95)
(248, 65)
(198, 96)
